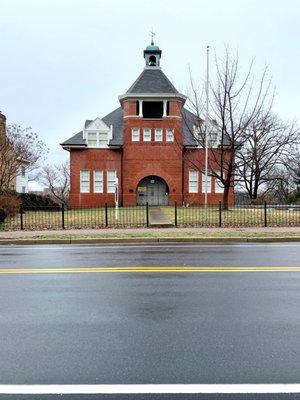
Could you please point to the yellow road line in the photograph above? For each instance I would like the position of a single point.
(144, 269)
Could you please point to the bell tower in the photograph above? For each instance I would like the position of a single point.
(152, 55)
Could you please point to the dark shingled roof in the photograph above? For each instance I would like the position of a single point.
(115, 118)
(152, 80)
(75, 140)
(188, 120)
(87, 122)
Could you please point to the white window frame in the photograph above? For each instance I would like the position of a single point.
(104, 134)
(96, 139)
(167, 132)
(102, 143)
(133, 137)
(110, 188)
(193, 181)
(208, 183)
(219, 188)
(98, 180)
(160, 137)
(145, 132)
(82, 190)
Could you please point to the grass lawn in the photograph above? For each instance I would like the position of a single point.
(234, 217)
(136, 217)
(78, 218)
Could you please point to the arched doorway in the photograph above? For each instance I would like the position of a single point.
(152, 190)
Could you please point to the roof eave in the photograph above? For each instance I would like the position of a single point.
(115, 146)
(73, 146)
(137, 96)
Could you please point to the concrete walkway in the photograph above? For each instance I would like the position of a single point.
(157, 218)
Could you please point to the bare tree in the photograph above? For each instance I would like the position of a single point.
(57, 179)
(18, 146)
(267, 143)
(234, 105)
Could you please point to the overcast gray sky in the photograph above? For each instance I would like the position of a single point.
(64, 61)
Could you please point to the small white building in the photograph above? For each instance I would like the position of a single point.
(22, 179)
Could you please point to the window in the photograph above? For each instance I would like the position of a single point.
(102, 139)
(23, 170)
(92, 139)
(153, 109)
(98, 181)
(208, 183)
(193, 181)
(111, 180)
(135, 135)
(158, 135)
(219, 188)
(147, 135)
(213, 139)
(84, 181)
(197, 133)
(97, 139)
(23, 189)
(170, 135)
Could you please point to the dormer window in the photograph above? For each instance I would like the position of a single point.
(97, 134)
(97, 139)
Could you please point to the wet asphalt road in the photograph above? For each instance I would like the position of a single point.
(152, 327)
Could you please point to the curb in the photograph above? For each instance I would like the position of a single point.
(150, 240)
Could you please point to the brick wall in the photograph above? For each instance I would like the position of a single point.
(162, 159)
(93, 159)
(195, 160)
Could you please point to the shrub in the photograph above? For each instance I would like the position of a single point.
(10, 203)
(32, 201)
(3, 215)
(294, 197)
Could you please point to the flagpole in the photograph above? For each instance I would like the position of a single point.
(206, 129)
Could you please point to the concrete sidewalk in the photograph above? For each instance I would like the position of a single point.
(157, 218)
(254, 234)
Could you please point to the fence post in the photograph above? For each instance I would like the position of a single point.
(63, 216)
(106, 216)
(265, 214)
(21, 217)
(175, 212)
(220, 214)
(147, 214)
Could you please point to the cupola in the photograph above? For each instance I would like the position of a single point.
(152, 55)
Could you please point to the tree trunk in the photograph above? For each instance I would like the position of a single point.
(225, 197)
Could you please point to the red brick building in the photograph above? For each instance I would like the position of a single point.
(147, 144)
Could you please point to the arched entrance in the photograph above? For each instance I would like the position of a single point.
(152, 190)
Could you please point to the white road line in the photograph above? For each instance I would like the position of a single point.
(152, 388)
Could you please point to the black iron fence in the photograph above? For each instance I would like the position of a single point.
(42, 218)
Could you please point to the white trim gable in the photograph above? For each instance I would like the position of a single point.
(97, 125)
